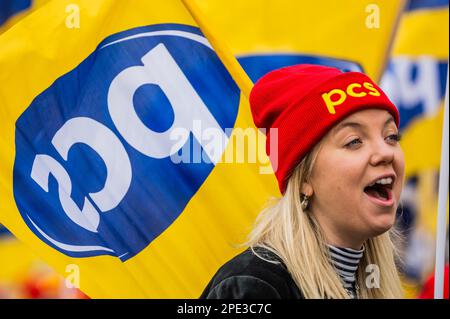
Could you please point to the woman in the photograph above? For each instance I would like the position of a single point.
(340, 169)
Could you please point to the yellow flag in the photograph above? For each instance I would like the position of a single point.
(268, 34)
(12, 11)
(119, 135)
(415, 81)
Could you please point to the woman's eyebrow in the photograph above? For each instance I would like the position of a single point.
(357, 125)
(388, 121)
(347, 124)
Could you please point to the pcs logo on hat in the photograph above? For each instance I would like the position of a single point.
(354, 90)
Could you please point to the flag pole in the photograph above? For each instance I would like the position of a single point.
(228, 59)
(442, 207)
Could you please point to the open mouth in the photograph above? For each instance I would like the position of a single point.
(381, 189)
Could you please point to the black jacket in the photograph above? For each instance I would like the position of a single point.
(247, 276)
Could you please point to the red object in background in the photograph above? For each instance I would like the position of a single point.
(428, 287)
(81, 295)
(47, 284)
(32, 290)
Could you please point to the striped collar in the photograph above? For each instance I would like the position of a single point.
(346, 261)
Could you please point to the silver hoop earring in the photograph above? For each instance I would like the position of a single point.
(304, 202)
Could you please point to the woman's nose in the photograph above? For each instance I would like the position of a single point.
(382, 153)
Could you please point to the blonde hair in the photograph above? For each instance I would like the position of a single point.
(296, 238)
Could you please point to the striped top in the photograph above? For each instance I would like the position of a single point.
(346, 261)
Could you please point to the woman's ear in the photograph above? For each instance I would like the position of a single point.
(307, 189)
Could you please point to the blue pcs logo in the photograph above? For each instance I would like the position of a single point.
(93, 172)
(258, 65)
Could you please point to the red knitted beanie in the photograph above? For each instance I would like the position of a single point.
(304, 102)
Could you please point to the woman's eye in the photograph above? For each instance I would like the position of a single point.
(354, 142)
(394, 137)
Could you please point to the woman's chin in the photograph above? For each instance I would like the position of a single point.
(382, 224)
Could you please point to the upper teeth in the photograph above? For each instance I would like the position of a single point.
(383, 181)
